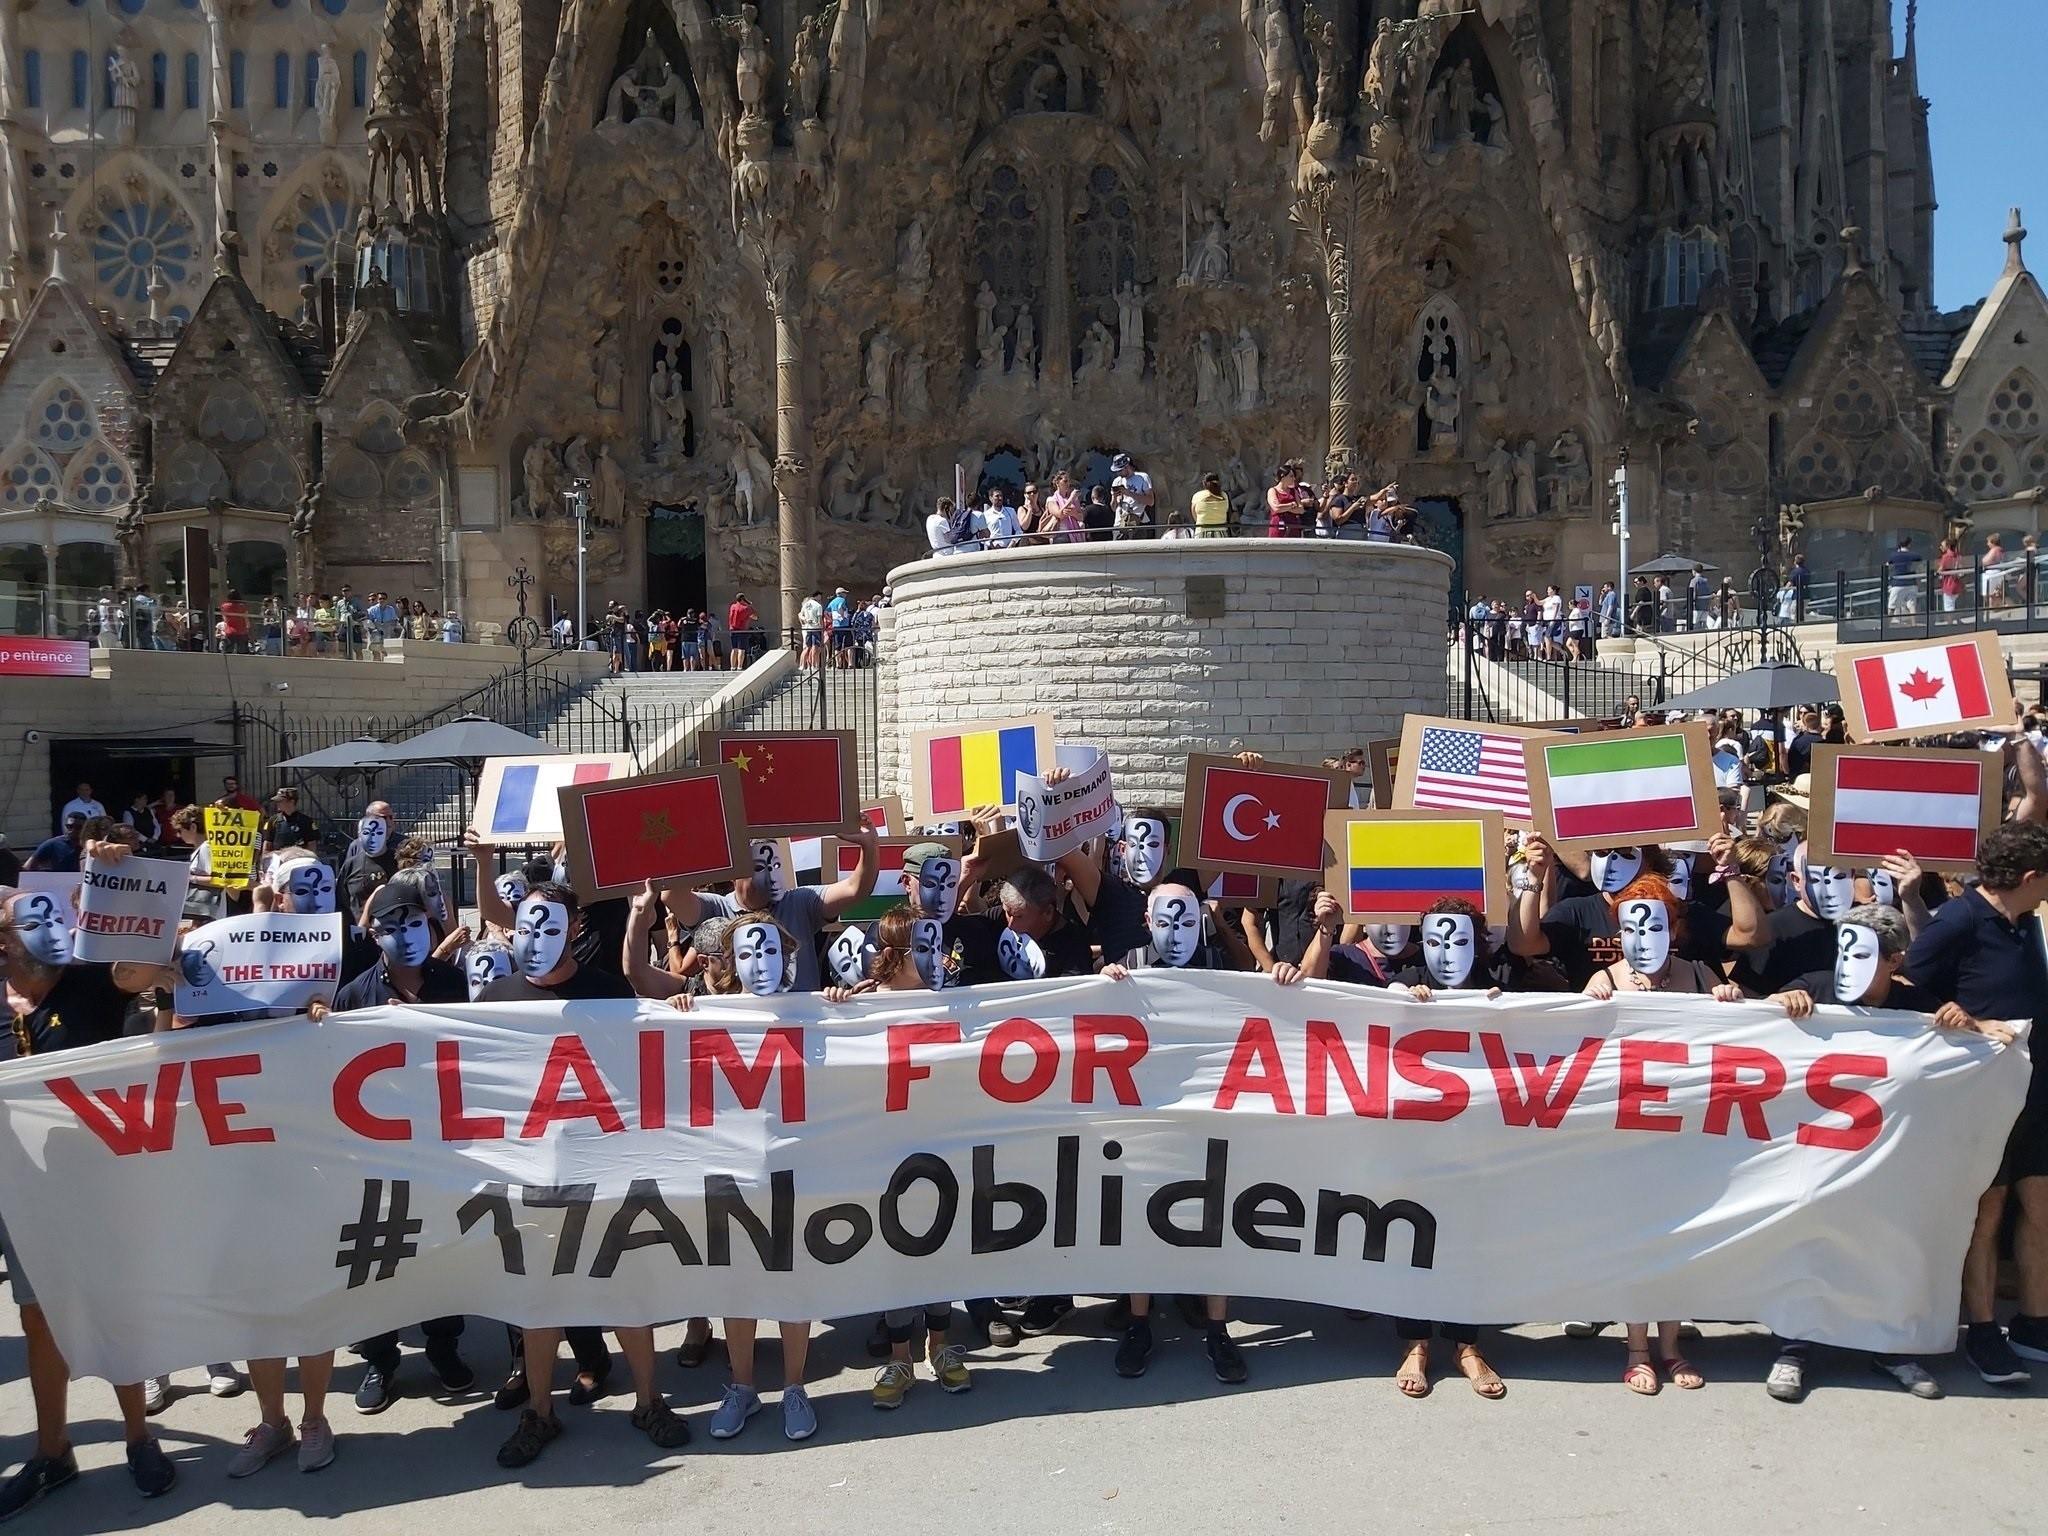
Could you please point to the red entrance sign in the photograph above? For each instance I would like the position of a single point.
(21, 657)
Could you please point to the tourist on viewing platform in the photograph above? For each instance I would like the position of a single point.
(1903, 601)
(1067, 508)
(1347, 510)
(1609, 612)
(1552, 619)
(1948, 574)
(839, 615)
(998, 520)
(1283, 503)
(1098, 518)
(1210, 509)
(1034, 526)
(810, 618)
(1132, 498)
(1788, 600)
(938, 527)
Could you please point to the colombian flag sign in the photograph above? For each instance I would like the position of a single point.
(1392, 866)
(953, 771)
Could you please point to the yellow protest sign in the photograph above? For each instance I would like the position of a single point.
(231, 841)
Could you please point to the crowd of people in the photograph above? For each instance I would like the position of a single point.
(336, 624)
(835, 632)
(1747, 915)
(1128, 507)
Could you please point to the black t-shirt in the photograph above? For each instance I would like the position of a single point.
(361, 874)
(289, 829)
(1585, 937)
(440, 982)
(359, 953)
(588, 981)
(1293, 919)
(1904, 996)
(971, 938)
(1117, 920)
(1067, 950)
(1799, 943)
(603, 937)
(84, 1008)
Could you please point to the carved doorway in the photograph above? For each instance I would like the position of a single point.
(676, 575)
(1440, 525)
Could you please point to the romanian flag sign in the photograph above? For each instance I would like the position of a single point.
(515, 798)
(666, 827)
(1869, 803)
(843, 858)
(954, 771)
(792, 783)
(1614, 789)
(1392, 866)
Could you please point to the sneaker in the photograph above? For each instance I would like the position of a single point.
(949, 1369)
(986, 1318)
(151, 1468)
(373, 1392)
(1787, 1381)
(513, 1393)
(892, 1384)
(448, 1366)
(2028, 1337)
(799, 1418)
(260, 1447)
(1135, 1348)
(224, 1380)
(739, 1404)
(156, 1394)
(316, 1445)
(1045, 1314)
(1226, 1357)
(878, 1340)
(1911, 1375)
(662, 1424)
(40, 1475)
(1985, 1345)
(529, 1439)
(1586, 1330)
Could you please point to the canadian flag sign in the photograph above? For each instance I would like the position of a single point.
(1924, 687)
(1257, 819)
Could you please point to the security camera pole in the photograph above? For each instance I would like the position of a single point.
(578, 497)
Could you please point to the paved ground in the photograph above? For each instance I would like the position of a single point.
(1050, 1441)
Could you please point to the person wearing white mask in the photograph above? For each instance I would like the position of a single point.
(1584, 932)
(371, 859)
(1799, 937)
(1895, 883)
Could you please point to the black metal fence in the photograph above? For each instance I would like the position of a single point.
(1506, 688)
(2009, 594)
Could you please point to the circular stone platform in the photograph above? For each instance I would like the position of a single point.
(1296, 648)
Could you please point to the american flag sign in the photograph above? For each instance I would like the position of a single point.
(1471, 770)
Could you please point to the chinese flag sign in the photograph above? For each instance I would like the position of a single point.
(792, 783)
(666, 828)
(1264, 820)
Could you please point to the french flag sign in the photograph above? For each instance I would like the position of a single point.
(1924, 687)
(516, 798)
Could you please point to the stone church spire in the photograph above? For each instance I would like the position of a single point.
(402, 240)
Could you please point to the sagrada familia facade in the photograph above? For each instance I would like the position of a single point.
(385, 296)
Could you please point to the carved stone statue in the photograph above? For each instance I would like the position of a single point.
(1285, 91)
(913, 260)
(541, 471)
(124, 87)
(608, 371)
(806, 73)
(880, 358)
(1130, 327)
(839, 494)
(607, 490)
(720, 350)
(1209, 372)
(988, 340)
(648, 88)
(1209, 255)
(327, 94)
(1323, 41)
(1376, 90)
(1024, 358)
(753, 481)
(1500, 482)
(1571, 477)
(1098, 349)
(1494, 368)
(1525, 479)
(750, 74)
(668, 410)
(914, 399)
(1237, 483)
(1246, 354)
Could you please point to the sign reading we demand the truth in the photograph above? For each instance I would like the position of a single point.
(614, 1163)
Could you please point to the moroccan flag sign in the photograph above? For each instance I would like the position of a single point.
(1937, 805)
(1924, 687)
(1392, 866)
(664, 827)
(515, 797)
(1607, 789)
(1263, 820)
(842, 859)
(954, 771)
(792, 783)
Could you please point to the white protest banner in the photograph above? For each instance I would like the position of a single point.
(609, 1163)
(129, 909)
(260, 960)
(1057, 818)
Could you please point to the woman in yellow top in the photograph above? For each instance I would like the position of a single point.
(1211, 509)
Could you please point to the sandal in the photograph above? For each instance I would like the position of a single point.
(1413, 1376)
(1485, 1379)
(1641, 1377)
(1678, 1366)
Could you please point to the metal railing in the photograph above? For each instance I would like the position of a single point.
(1498, 685)
(2010, 595)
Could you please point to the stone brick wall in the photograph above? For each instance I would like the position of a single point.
(1319, 646)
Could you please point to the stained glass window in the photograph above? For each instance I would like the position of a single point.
(136, 236)
(64, 420)
(314, 236)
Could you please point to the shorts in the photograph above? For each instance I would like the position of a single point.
(17, 1278)
(813, 636)
(2026, 1150)
(842, 639)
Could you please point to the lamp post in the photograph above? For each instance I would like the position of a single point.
(1621, 589)
(578, 498)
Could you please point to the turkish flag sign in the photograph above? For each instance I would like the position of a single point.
(1924, 687)
(1263, 820)
(792, 783)
(666, 827)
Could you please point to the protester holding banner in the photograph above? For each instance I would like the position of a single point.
(60, 1004)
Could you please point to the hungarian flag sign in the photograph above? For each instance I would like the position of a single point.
(1924, 687)
(1608, 789)
(1263, 820)
(792, 783)
(665, 827)
(842, 859)
(952, 772)
(1393, 866)
(1937, 805)
(515, 796)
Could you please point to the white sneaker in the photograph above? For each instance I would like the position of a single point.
(1576, 1330)
(225, 1381)
(1911, 1375)
(156, 1394)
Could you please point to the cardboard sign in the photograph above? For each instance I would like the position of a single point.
(231, 837)
(956, 771)
(666, 827)
(1264, 818)
(1463, 765)
(1057, 818)
(1392, 866)
(517, 798)
(264, 960)
(792, 783)
(1928, 687)
(129, 910)
(1383, 756)
(1621, 789)
(1936, 804)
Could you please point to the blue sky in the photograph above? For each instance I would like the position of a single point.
(1982, 65)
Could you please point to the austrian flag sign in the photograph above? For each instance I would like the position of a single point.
(1924, 688)
(1935, 804)
(1257, 819)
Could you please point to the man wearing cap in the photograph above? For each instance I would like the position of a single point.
(1131, 490)
(841, 611)
(802, 910)
(60, 853)
(288, 827)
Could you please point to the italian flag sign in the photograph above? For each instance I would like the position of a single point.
(1620, 788)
